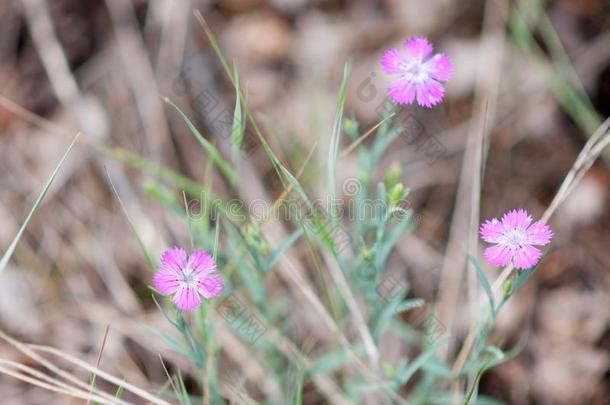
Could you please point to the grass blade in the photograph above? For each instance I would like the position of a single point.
(149, 258)
(334, 144)
(11, 249)
(407, 373)
(285, 245)
(225, 168)
(485, 283)
(239, 119)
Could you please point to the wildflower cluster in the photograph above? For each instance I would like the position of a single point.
(515, 238)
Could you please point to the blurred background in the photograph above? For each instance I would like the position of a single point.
(103, 68)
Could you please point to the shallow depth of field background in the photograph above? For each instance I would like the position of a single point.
(78, 266)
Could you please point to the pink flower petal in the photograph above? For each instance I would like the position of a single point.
(526, 257)
(187, 298)
(201, 262)
(539, 234)
(498, 255)
(174, 259)
(211, 286)
(166, 281)
(418, 48)
(391, 60)
(401, 92)
(491, 230)
(430, 93)
(517, 219)
(440, 67)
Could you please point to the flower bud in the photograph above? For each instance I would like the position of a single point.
(350, 126)
(397, 193)
(368, 254)
(393, 176)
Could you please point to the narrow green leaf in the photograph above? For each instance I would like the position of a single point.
(496, 357)
(225, 168)
(239, 119)
(164, 195)
(416, 364)
(485, 283)
(333, 360)
(167, 318)
(410, 304)
(214, 42)
(384, 245)
(363, 388)
(145, 251)
(317, 218)
(170, 342)
(284, 246)
(189, 223)
(438, 368)
(522, 276)
(186, 399)
(11, 249)
(176, 179)
(119, 392)
(298, 400)
(529, 17)
(298, 390)
(334, 144)
(393, 308)
(216, 239)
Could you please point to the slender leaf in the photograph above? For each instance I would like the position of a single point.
(225, 168)
(485, 283)
(145, 251)
(239, 118)
(416, 364)
(334, 360)
(11, 249)
(284, 246)
(334, 144)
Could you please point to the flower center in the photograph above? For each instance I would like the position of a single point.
(416, 72)
(189, 278)
(514, 237)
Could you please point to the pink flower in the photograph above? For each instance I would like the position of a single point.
(514, 238)
(187, 278)
(417, 75)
